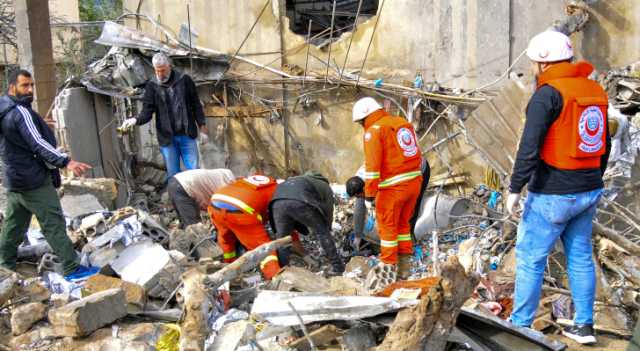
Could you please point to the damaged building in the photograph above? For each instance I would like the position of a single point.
(277, 80)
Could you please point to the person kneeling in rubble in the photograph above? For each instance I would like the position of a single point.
(238, 212)
(190, 191)
(302, 203)
(563, 154)
(31, 174)
(392, 179)
(355, 187)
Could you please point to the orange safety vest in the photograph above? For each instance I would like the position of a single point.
(392, 154)
(251, 194)
(577, 138)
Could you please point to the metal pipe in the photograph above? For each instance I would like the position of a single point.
(333, 18)
(355, 28)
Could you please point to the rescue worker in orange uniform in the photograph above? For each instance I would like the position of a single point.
(238, 211)
(562, 155)
(392, 179)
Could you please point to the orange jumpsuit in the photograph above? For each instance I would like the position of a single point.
(238, 210)
(393, 177)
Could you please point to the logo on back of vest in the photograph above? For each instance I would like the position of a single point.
(258, 180)
(407, 142)
(591, 128)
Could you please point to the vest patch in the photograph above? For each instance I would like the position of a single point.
(407, 142)
(590, 128)
(258, 180)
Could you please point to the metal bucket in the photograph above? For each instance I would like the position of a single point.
(435, 218)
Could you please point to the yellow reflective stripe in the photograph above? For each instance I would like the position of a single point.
(267, 260)
(229, 254)
(404, 237)
(388, 243)
(236, 202)
(371, 175)
(399, 178)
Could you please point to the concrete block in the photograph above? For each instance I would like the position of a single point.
(50, 263)
(149, 265)
(93, 225)
(83, 316)
(134, 293)
(77, 205)
(380, 276)
(24, 316)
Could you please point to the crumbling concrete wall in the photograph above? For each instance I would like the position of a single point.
(458, 43)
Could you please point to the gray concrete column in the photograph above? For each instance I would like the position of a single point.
(35, 52)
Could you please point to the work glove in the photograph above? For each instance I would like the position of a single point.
(128, 123)
(370, 202)
(204, 139)
(513, 203)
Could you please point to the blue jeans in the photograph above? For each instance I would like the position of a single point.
(545, 219)
(182, 147)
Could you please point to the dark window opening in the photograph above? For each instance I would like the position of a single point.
(300, 12)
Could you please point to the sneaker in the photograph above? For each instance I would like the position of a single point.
(581, 333)
(81, 273)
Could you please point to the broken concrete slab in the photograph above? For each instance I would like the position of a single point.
(83, 316)
(233, 335)
(273, 306)
(134, 293)
(104, 190)
(24, 316)
(78, 205)
(141, 263)
(8, 285)
(195, 238)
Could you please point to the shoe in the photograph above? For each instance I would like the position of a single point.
(581, 333)
(81, 273)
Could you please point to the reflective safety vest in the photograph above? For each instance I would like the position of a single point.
(251, 194)
(392, 154)
(577, 138)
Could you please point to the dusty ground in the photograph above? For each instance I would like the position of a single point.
(605, 343)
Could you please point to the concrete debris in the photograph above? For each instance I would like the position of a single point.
(273, 306)
(24, 316)
(134, 293)
(8, 285)
(380, 277)
(82, 317)
(196, 241)
(320, 337)
(78, 205)
(104, 190)
(233, 335)
(50, 263)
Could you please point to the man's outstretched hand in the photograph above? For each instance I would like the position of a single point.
(78, 168)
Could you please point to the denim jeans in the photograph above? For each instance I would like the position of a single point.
(182, 147)
(545, 219)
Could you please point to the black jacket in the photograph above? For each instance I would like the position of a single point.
(28, 147)
(176, 105)
(311, 188)
(543, 109)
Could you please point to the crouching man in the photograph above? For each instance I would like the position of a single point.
(190, 191)
(306, 201)
(238, 211)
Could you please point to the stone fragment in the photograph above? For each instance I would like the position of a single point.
(77, 205)
(23, 341)
(134, 293)
(233, 335)
(83, 316)
(8, 285)
(24, 316)
(36, 291)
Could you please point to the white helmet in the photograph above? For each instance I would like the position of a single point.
(550, 46)
(365, 107)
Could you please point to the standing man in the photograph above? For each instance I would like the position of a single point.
(392, 179)
(190, 191)
(31, 174)
(238, 211)
(306, 202)
(172, 96)
(562, 155)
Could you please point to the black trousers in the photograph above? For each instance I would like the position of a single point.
(290, 214)
(188, 210)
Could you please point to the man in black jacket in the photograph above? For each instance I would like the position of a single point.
(172, 96)
(306, 202)
(28, 149)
